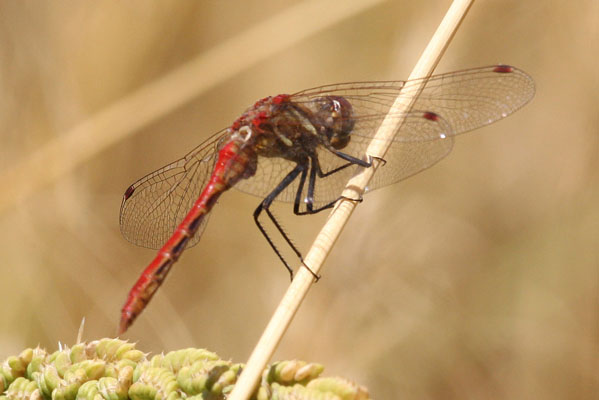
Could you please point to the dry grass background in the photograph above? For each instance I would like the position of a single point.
(476, 279)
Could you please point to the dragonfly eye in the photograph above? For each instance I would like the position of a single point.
(335, 115)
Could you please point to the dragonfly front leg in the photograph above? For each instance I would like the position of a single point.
(316, 170)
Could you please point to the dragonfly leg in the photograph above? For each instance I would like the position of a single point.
(316, 170)
(370, 160)
(381, 159)
(309, 200)
(290, 243)
(357, 161)
(265, 206)
(352, 159)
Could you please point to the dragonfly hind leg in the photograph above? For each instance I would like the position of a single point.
(311, 166)
(265, 206)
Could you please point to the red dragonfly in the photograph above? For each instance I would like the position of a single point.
(303, 148)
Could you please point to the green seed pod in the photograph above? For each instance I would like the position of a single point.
(89, 391)
(263, 393)
(285, 371)
(19, 364)
(77, 353)
(106, 388)
(154, 383)
(345, 389)
(175, 360)
(308, 372)
(112, 349)
(111, 370)
(47, 379)
(124, 363)
(14, 367)
(281, 392)
(124, 348)
(37, 361)
(289, 372)
(23, 389)
(226, 381)
(91, 369)
(51, 357)
(126, 376)
(201, 376)
(6, 375)
(112, 389)
(132, 355)
(62, 362)
(69, 386)
(66, 392)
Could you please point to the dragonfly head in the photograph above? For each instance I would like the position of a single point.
(335, 115)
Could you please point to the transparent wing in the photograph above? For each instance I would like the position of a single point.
(154, 206)
(466, 100)
(450, 104)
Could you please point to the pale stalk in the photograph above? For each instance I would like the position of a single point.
(339, 216)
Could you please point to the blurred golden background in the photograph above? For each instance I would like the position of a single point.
(475, 279)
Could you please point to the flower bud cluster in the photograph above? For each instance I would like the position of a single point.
(113, 369)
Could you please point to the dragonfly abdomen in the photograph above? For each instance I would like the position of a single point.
(235, 162)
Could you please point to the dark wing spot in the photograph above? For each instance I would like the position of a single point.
(503, 69)
(129, 192)
(431, 116)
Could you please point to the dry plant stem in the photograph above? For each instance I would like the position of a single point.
(149, 103)
(343, 209)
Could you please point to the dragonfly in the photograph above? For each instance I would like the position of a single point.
(302, 149)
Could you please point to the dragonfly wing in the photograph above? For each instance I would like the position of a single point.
(412, 155)
(466, 100)
(474, 98)
(270, 172)
(155, 205)
(449, 104)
